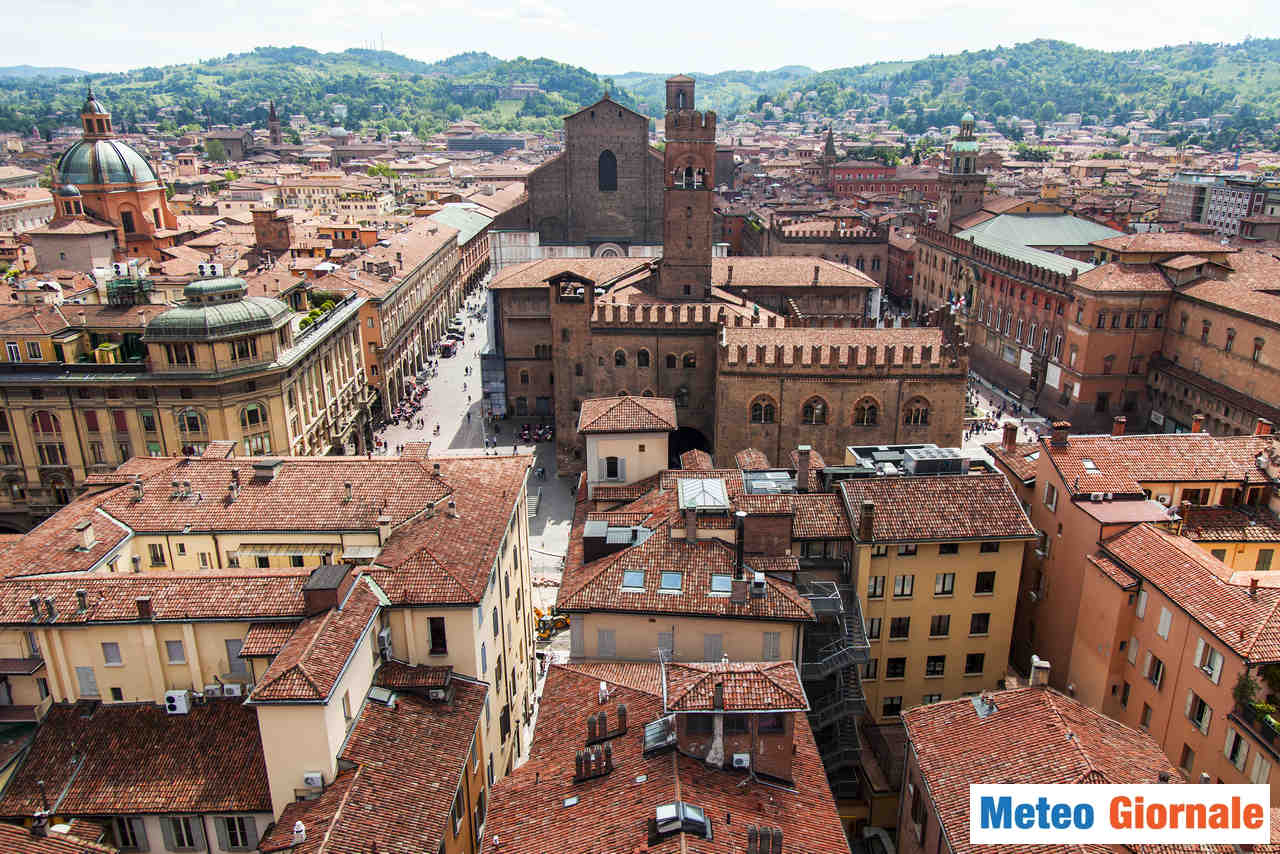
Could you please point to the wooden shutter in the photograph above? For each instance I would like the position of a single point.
(604, 469)
(139, 828)
(166, 828)
(220, 828)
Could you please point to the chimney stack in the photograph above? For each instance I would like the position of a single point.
(717, 697)
(1197, 423)
(50, 611)
(1117, 425)
(739, 543)
(1039, 671)
(802, 471)
(1009, 440)
(1263, 427)
(384, 529)
(346, 490)
(453, 509)
(299, 833)
(35, 607)
(1058, 438)
(1253, 587)
(87, 539)
(82, 601)
(144, 607)
(691, 526)
(866, 522)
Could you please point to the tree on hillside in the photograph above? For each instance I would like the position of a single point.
(215, 150)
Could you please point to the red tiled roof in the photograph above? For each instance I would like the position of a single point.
(1230, 524)
(1117, 573)
(1123, 463)
(939, 507)
(1016, 461)
(1172, 242)
(309, 664)
(695, 460)
(746, 686)
(409, 760)
(443, 559)
(266, 639)
(751, 459)
(16, 839)
(398, 675)
(1109, 278)
(137, 758)
(627, 414)
(528, 812)
(1035, 735)
(1197, 581)
(815, 515)
(54, 544)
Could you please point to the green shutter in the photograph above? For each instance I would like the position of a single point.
(220, 827)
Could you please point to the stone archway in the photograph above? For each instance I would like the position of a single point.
(609, 250)
(686, 439)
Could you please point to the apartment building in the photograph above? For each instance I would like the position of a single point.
(1089, 487)
(681, 784)
(349, 601)
(1023, 735)
(359, 200)
(87, 387)
(409, 282)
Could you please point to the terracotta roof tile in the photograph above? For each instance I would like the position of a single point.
(695, 460)
(751, 459)
(1035, 735)
(417, 750)
(1122, 463)
(398, 675)
(1021, 461)
(309, 664)
(1230, 524)
(745, 686)
(940, 507)
(1199, 583)
(627, 414)
(15, 839)
(528, 812)
(266, 639)
(137, 758)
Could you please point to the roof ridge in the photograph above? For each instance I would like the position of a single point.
(1073, 738)
(766, 672)
(337, 813)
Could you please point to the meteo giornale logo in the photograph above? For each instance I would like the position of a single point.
(1147, 814)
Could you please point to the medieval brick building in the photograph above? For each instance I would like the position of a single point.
(763, 351)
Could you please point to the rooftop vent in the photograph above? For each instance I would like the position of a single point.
(87, 539)
(267, 469)
(592, 762)
(764, 840)
(678, 817)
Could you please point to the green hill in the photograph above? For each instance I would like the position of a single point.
(38, 71)
(381, 90)
(727, 92)
(1045, 80)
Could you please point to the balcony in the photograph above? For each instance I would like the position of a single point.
(1264, 728)
(844, 700)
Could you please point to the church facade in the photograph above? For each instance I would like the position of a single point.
(762, 351)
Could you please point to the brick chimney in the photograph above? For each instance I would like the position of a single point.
(1197, 423)
(866, 521)
(691, 526)
(802, 468)
(1039, 671)
(1010, 438)
(1058, 438)
(1263, 427)
(143, 604)
(1117, 425)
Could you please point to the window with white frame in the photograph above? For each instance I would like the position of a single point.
(1142, 604)
(1198, 712)
(1166, 620)
(1209, 661)
(1236, 749)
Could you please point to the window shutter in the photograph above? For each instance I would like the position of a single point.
(1142, 604)
(220, 827)
(576, 638)
(166, 828)
(1166, 619)
(197, 832)
(1190, 698)
(604, 470)
(140, 833)
(1217, 668)
(1133, 650)
(1244, 753)
(1226, 748)
(622, 468)
(1146, 666)
(1199, 652)
(1208, 719)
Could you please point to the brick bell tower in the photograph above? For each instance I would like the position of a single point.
(961, 186)
(690, 159)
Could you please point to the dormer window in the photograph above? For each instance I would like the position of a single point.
(672, 581)
(721, 584)
(680, 817)
(633, 579)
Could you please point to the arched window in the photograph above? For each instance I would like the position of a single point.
(671, 361)
(253, 415)
(620, 358)
(763, 411)
(642, 359)
(690, 360)
(45, 423)
(682, 396)
(861, 263)
(647, 393)
(524, 378)
(866, 413)
(608, 171)
(687, 178)
(814, 411)
(191, 421)
(916, 413)
(680, 100)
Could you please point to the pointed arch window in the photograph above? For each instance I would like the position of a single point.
(866, 413)
(607, 172)
(916, 413)
(814, 411)
(763, 411)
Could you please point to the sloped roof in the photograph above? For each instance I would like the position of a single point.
(1042, 230)
(754, 686)
(627, 414)
(939, 508)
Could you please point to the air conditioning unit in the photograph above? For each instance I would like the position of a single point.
(384, 642)
(232, 689)
(208, 270)
(177, 702)
(742, 760)
(1163, 499)
(1097, 496)
(214, 689)
(119, 270)
(313, 779)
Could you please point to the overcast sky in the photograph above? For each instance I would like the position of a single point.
(610, 37)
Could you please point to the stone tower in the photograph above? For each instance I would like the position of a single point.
(687, 196)
(960, 185)
(828, 159)
(273, 126)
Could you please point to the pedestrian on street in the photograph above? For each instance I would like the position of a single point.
(468, 415)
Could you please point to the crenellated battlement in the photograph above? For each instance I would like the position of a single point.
(703, 316)
(881, 352)
(1021, 270)
(680, 124)
(853, 236)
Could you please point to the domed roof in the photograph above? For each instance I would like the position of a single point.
(103, 161)
(217, 308)
(92, 106)
(69, 190)
(967, 117)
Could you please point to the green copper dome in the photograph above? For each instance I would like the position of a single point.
(967, 117)
(103, 161)
(218, 308)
